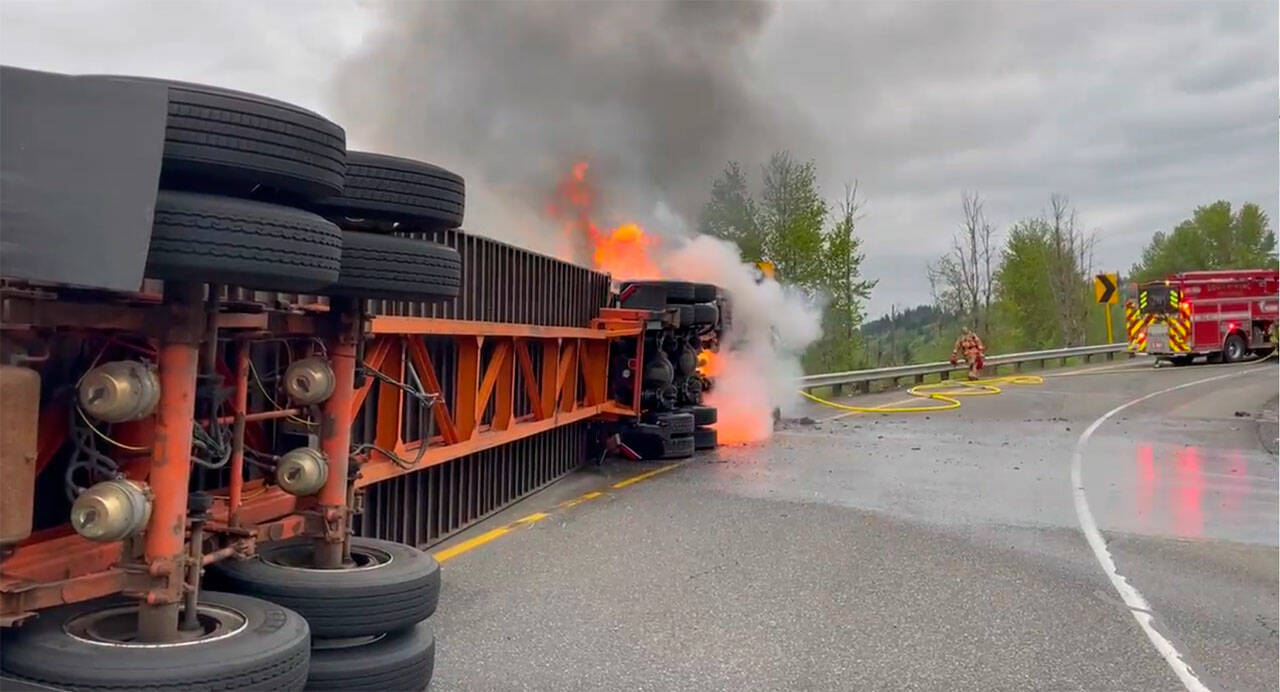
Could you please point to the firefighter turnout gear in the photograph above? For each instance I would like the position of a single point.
(970, 347)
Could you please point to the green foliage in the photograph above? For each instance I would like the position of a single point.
(916, 335)
(1213, 238)
(731, 213)
(787, 228)
(1025, 306)
(792, 215)
(846, 289)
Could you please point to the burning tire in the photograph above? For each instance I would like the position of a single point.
(248, 644)
(238, 143)
(389, 189)
(198, 237)
(393, 586)
(705, 438)
(400, 660)
(383, 266)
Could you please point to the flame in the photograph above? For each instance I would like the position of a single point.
(709, 363)
(628, 251)
(625, 252)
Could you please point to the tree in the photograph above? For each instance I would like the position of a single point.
(1213, 238)
(1072, 261)
(1025, 301)
(731, 213)
(962, 279)
(847, 290)
(792, 215)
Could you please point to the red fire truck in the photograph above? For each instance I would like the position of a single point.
(1222, 315)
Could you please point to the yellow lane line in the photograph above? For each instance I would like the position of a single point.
(643, 476)
(470, 544)
(536, 516)
(580, 499)
(473, 543)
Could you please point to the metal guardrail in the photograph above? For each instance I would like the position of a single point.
(862, 379)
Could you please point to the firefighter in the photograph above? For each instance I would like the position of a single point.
(969, 347)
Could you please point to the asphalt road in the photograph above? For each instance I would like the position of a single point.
(927, 551)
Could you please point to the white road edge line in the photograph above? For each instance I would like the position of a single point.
(1138, 606)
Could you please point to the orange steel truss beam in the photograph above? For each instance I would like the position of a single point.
(570, 386)
(564, 383)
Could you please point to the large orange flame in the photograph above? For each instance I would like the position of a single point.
(626, 252)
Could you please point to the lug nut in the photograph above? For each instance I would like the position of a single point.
(111, 510)
(302, 471)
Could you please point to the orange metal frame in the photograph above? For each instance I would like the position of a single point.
(569, 384)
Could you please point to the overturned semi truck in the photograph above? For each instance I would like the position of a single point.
(248, 376)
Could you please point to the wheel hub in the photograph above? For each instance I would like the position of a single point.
(302, 557)
(118, 626)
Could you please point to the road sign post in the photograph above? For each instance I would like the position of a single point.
(1106, 289)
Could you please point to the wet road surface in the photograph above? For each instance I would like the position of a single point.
(924, 551)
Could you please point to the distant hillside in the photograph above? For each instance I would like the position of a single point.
(914, 335)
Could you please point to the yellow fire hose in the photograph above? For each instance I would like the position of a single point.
(945, 392)
(949, 392)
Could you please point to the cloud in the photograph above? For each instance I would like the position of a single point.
(1138, 111)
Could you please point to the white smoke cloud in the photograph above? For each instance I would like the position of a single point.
(771, 327)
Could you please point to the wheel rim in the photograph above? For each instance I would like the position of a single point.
(1234, 350)
(302, 557)
(118, 627)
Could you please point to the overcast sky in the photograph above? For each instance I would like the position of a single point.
(1137, 111)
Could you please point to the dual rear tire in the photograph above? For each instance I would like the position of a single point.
(369, 623)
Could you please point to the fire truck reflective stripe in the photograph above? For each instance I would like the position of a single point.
(1179, 329)
(1142, 300)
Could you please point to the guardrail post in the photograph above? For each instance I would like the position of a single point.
(918, 379)
(864, 387)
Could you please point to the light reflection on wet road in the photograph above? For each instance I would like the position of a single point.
(929, 551)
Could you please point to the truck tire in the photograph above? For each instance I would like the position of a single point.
(240, 143)
(686, 312)
(705, 438)
(417, 195)
(198, 237)
(671, 424)
(649, 443)
(265, 647)
(1234, 348)
(705, 314)
(702, 415)
(395, 661)
(396, 586)
(384, 266)
(680, 291)
(681, 447)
